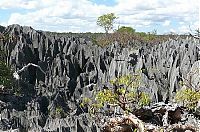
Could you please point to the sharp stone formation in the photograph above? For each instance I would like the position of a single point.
(76, 68)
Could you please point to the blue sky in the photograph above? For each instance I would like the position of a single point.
(105, 2)
(80, 15)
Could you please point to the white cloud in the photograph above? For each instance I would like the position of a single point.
(30, 4)
(81, 15)
(69, 14)
(184, 29)
(3, 24)
(188, 28)
(166, 23)
(172, 30)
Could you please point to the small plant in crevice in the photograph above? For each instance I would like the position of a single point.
(60, 111)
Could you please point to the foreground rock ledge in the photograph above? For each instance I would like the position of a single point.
(131, 122)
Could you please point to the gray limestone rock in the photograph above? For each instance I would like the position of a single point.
(75, 68)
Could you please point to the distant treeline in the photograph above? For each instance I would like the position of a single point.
(123, 38)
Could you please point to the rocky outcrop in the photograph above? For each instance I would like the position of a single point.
(2, 28)
(76, 68)
(167, 64)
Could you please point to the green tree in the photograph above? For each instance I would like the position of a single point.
(106, 21)
(125, 29)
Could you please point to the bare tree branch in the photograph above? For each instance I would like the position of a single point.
(16, 73)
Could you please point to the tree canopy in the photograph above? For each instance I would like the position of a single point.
(124, 29)
(106, 21)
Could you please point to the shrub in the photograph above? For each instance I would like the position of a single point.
(125, 29)
(189, 97)
(60, 112)
(125, 92)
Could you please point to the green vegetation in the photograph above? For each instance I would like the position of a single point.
(189, 94)
(126, 92)
(124, 38)
(189, 97)
(124, 29)
(58, 112)
(150, 36)
(106, 21)
(124, 35)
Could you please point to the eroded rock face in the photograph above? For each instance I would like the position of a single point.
(167, 64)
(76, 68)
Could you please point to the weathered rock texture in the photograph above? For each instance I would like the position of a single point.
(76, 68)
(169, 63)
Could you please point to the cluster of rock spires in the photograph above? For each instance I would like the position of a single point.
(75, 68)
